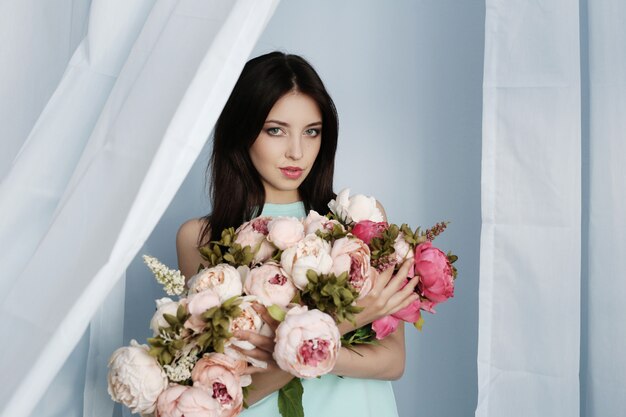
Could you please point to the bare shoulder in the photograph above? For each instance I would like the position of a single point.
(189, 231)
(187, 240)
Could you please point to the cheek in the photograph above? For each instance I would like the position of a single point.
(313, 149)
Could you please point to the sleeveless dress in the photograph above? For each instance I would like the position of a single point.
(330, 395)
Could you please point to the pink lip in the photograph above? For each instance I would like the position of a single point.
(292, 172)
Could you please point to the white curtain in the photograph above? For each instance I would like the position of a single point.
(532, 203)
(100, 165)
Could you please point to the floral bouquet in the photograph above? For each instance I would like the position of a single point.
(308, 273)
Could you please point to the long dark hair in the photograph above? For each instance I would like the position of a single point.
(236, 189)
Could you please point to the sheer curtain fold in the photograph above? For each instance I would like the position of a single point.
(136, 136)
(530, 241)
(606, 344)
(530, 342)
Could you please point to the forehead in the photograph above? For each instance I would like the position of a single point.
(295, 107)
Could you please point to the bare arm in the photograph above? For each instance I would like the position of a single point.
(187, 247)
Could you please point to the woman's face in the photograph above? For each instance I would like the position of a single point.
(286, 148)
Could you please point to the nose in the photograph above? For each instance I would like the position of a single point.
(294, 148)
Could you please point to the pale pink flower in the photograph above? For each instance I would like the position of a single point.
(220, 375)
(353, 256)
(314, 222)
(223, 279)
(197, 304)
(135, 378)
(307, 343)
(254, 234)
(164, 306)
(356, 208)
(183, 401)
(312, 252)
(285, 231)
(402, 249)
(270, 284)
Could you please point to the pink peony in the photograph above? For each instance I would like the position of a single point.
(353, 256)
(285, 232)
(249, 319)
(135, 378)
(388, 324)
(270, 284)
(223, 279)
(183, 401)
(385, 326)
(366, 230)
(307, 343)
(220, 376)
(197, 304)
(312, 252)
(436, 279)
(254, 234)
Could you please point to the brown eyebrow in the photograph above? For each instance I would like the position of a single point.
(278, 122)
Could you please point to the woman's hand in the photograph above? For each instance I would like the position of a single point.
(386, 296)
(264, 344)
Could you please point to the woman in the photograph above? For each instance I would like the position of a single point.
(273, 154)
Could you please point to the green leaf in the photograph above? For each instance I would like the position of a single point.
(290, 399)
(276, 312)
(170, 319)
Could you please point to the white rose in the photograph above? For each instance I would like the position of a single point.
(312, 252)
(224, 279)
(164, 306)
(402, 249)
(356, 208)
(285, 231)
(135, 378)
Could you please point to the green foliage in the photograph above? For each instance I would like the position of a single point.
(362, 336)
(166, 346)
(276, 312)
(217, 322)
(226, 250)
(332, 295)
(337, 232)
(290, 399)
(382, 247)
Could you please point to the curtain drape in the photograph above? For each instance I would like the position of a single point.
(128, 118)
(530, 340)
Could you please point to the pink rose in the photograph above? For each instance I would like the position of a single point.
(285, 232)
(183, 401)
(436, 279)
(220, 376)
(307, 343)
(197, 304)
(353, 256)
(366, 230)
(271, 284)
(254, 234)
(314, 222)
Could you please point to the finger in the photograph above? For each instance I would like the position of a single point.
(257, 353)
(265, 315)
(398, 279)
(381, 278)
(261, 342)
(255, 369)
(403, 303)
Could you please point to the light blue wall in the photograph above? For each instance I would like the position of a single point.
(407, 80)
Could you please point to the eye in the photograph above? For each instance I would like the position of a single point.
(273, 131)
(312, 132)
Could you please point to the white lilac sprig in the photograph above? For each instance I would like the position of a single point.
(172, 280)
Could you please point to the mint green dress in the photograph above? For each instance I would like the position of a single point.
(330, 396)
